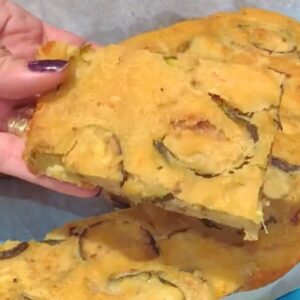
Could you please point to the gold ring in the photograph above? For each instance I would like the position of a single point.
(17, 126)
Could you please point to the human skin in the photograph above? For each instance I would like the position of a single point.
(21, 80)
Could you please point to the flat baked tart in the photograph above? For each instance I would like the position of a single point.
(191, 137)
(197, 127)
(148, 251)
(252, 37)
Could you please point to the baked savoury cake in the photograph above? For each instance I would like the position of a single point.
(184, 117)
(251, 37)
(194, 137)
(201, 118)
(148, 252)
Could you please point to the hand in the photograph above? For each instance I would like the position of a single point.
(21, 80)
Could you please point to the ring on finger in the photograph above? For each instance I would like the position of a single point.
(18, 124)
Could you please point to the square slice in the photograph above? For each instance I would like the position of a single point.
(191, 137)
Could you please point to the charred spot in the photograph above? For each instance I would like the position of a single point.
(170, 57)
(169, 283)
(81, 251)
(75, 231)
(14, 252)
(25, 297)
(195, 83)
(243, 26)
(178, 231)
(211, 224)
(152, 242)
(202, 125)
(194, 272)
(244, 163)
(147, 276)
(271, 220)
(80, 234)
(130, 274)
(166, 198)
(277, 121)
(117, 144)
(231, 112)
(285, 74)
(270, 52)
(237, 116)
(283, 165)
(125, 174)
(248, 114)
(120, 60)
(163, 150)
(239, 232)
(99, 193)
(15, 280)
(207, 176)
(52, 242)
(164, 281)
(295, 219)
(278, 124)
(119, 202)
(252, 129)
(72, 148)
(185, 46)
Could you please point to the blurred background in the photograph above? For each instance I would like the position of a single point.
(106, 21)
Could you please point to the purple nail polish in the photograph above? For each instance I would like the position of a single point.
(47, 65)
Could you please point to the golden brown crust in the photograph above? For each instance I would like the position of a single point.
(170, 40)
(251, 50)
(200, 257)
(150, 130)
(261, 279)
(250, 37)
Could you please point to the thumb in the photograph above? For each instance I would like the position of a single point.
(22, 79)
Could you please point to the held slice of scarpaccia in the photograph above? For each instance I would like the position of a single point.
(191, 137)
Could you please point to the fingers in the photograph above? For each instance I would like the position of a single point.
(11, 163)
(20, 79)
(54, 34)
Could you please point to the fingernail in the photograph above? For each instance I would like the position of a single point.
(47, 65)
